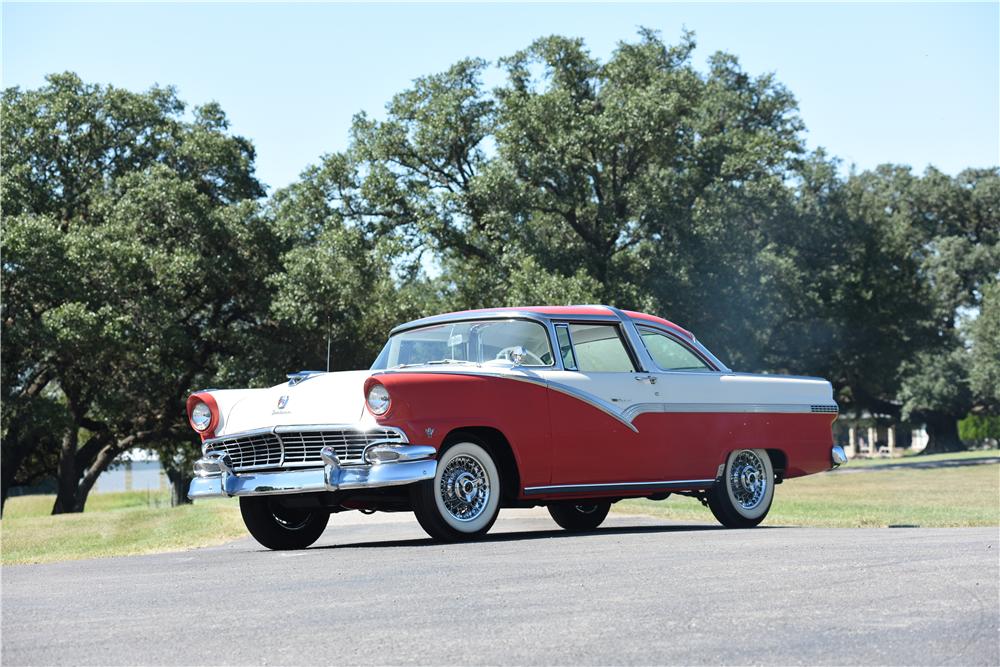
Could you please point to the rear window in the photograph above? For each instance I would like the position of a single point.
(670, 354)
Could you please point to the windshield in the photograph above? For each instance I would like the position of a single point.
(466, 343)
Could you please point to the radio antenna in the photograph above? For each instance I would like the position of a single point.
(327, 343)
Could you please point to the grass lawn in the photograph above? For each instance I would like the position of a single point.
(114, 524)
(18, 507)
(943, 497)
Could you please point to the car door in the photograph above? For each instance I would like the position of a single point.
(689, 390)
(607, 421)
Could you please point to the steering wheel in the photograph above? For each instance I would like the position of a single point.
(532, 357)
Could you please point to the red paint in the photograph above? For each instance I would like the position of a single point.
(589, 446)
(206, 398)
(557, 311)
(662, 322)
(697, 443)
(580, 444)
(518, 410)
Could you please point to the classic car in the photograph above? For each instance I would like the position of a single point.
(573, 408)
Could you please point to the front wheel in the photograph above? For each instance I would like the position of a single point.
(742, 498)
(463, 500)
(579, 518)
(281, 528)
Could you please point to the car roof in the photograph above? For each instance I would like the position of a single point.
(555, 312)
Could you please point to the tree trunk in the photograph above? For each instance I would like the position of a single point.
(942, 433)
(5, 486)
(105, 458)
(11, 458)
(179, 480)
(66, 476)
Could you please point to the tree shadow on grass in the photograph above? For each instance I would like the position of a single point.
(915, 465)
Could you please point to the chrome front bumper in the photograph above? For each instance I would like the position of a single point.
(217, 479)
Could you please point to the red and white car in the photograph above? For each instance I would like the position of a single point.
(573, 408)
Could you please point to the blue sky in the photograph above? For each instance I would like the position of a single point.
(908, 83)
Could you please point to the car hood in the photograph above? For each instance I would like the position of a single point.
(323, 398)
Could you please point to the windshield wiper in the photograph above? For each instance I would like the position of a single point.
(449, 361)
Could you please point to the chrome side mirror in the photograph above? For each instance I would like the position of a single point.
(517, 355)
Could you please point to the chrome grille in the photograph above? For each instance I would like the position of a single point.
(824, 408)
(299, 447)
(252, 451)
(304, 446)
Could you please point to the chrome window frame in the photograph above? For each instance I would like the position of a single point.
(572, 350)
(633, 340)
(623, 337)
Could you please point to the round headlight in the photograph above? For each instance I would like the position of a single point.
(201, 416)
(378, 399)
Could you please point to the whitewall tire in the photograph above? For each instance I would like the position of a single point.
(463, 500)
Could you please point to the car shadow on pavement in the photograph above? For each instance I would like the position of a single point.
(525, 535)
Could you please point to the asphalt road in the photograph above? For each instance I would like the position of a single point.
(375, 590)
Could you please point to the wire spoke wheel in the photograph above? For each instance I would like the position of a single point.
(747, 479)
(742, 497)
(465, 488)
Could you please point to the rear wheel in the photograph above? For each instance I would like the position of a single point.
(579, 518)
(463, 500)
(742, 498)
(281, 528)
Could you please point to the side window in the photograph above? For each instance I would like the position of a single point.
(670, 354)
(600, 349)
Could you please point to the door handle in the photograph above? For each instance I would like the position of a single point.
(652, 380)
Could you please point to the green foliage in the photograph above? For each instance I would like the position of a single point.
(979, 428)
(938, 378)
(984, 374)
(338, 282)
(134, 262)
(636, 182)
(858, 307)
(954, 231)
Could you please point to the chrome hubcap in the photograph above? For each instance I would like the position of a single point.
(465, 489)
(747, 479)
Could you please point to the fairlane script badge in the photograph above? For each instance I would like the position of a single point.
(282, 402)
